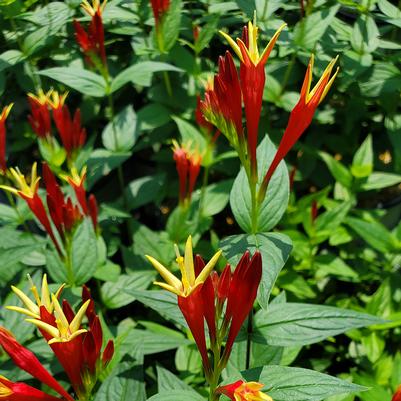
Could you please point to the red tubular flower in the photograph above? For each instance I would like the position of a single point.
(397, 395)
(301, 116)
(159, 8)
(252, 74)
(92, 41)
(72, 135)
(244, 391)
(3, 117)
(22, 392)
(222, 104)
(39, 119)
(28, 362)
(30, 194)
(78, 349)
(241, 295)
(188, 164)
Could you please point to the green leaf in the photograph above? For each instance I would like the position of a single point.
(125, 381)
(163, 302)
(206, 33)
(144, 190)
(167, 381)
(177, 395)
(147, 342)
(121, 134)
(309, 30)
(114, 294)
(362, 163)
(189, 134)
(365, 35)
(275, 249)
(84, 258)
(141, 74)
(284, 383)
(382, 80)
(10, 58)
(374, 233)
(151, 116)
(170, 26)
(275, 203)
(102, 162)
(292, 324)
(337, 169)
(389, 9)
(378, 180)
(83, 81)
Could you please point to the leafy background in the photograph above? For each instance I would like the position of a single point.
(348, 163)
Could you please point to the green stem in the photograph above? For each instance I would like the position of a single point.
(68, 261)
(254, 206)
(249, 340)
(288, 72)
(167, 82)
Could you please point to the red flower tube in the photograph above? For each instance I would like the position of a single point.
(28, 362)
(397, 394)
(159, 8)
(241, 296)
(301, 116)
(3, 117)
(22, 392)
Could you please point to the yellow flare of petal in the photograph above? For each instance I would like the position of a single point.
(168, 287)
(4, 390)
(168, 276)
(234, 45)
(21, 183)
(204, 274)
(272, 41)
(61, 319)
(91, 9)
(67, 339)
(56, 100)
(31, 306)
(53, 331)
(5, 112)
(23, 311)
(9, 189)
(42, 97)
(327, 71)
(75, 177)
(77, 321)
(189, 262)
(45, 294)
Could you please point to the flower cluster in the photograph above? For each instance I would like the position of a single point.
(3, 116)
(77, 347)
(188, 163)
(223, 302)
(71, 133)
(229, 91)
(63, 213)
(92, 40)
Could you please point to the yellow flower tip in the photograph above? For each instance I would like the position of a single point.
(57, 101)
(233, 44)
(5, 112)
(31, 307)
(77, 321)
(5, 391)
(93, 8)
(42, 98)
(53, 331)
(251, 391)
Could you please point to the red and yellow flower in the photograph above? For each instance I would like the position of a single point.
(3, 116)
(39, 119)
(244, 391)
(397, 394)
(92, 40)
(252, 79)
(77, 347)
(301, 115)
(188, 164)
